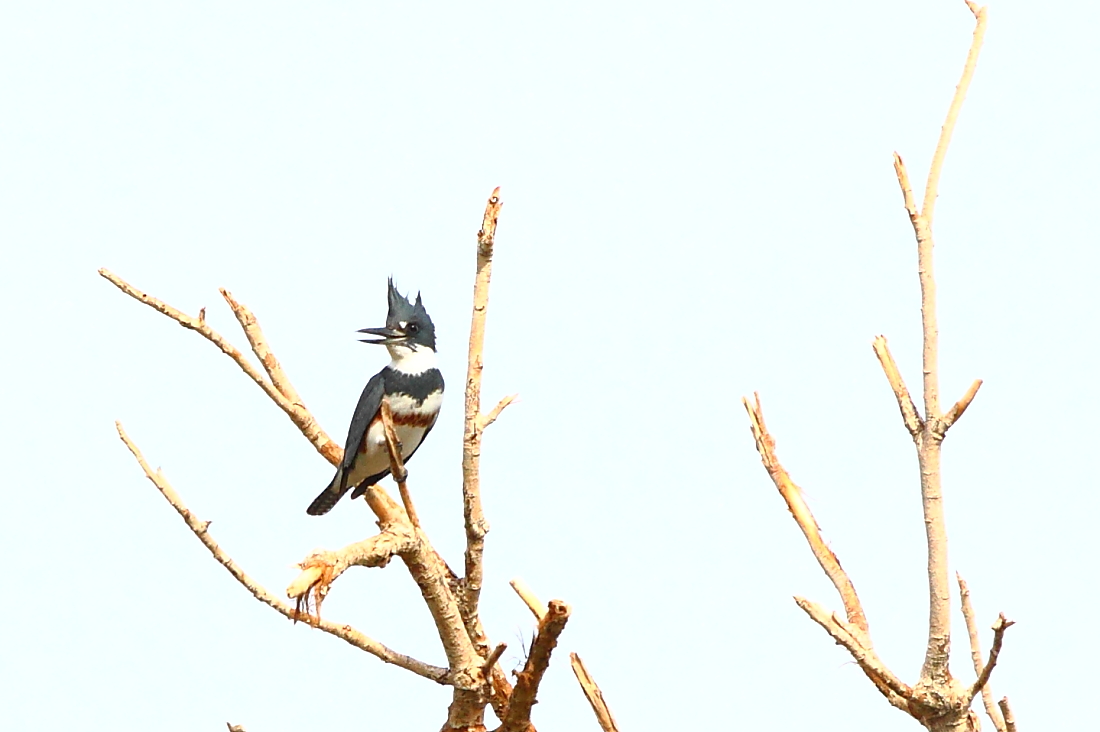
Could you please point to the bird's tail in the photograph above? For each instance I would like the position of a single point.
(335, 490)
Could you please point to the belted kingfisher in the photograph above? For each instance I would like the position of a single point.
(414, 387)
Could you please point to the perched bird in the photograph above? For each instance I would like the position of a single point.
(414, 387)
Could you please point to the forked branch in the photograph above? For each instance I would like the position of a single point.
(935, 675)
(344, 632)
(551, 625)
(976, 654)
(588, 684)
(287, 400)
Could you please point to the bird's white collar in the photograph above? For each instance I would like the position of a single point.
(411, 361)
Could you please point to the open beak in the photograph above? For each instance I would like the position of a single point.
(386, 336)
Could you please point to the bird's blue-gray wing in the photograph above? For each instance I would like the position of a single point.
(369, 402)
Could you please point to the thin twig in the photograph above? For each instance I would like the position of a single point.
(528, 680)
(397, 464)
(1000, 625)
(593, 694)
(912, 420)
(344, 632)
(476, 525)
(931, 189)
(299, 415)
(488, 419)
(1006, 711)
(493, 658)
(976, 653)
(960, 406)
(906, 189)
(261, 348)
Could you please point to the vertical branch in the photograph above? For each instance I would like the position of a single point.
(935, 669)
(976, 653)
(476, 525)
(932, 187)
(518, 717)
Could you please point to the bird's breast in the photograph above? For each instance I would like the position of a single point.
(411, 419)
(408, 410)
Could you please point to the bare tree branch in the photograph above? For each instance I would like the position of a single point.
(488, 419)
(935, 672)
(976, 653)
(1010, 719)
(792, 494)
(1000, 625)
(260, 347)
(298, 414)
(530, 599)
(493, 658)
(527, 682)
(960, 406)
(931, 189)
(847, 635)
(588, 684)
(344, 632)
(320, 569)
(476, 525)
(593, 694)
(912, 420)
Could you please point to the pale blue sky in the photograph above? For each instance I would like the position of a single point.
(699, 203)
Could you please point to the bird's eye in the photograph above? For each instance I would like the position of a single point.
(413, 328)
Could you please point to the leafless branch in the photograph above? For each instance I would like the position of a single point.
(960, 406)
(530, 599)
(491, 416)
(906, 189)
(344, 632)
(299, 415)
(588, 684)
(476, 525)
(493, 658)
(913, 422)
(935, 673)
(796, 504)
(976, 653)
(847, 635)
(260, 347)
(528, 680)
(1000, 625)
(593, 694)
(320, 569)
(1006, 711)
(931, 189)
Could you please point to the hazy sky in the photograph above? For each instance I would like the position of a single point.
(699, 203)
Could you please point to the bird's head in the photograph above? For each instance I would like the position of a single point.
(408, 325)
